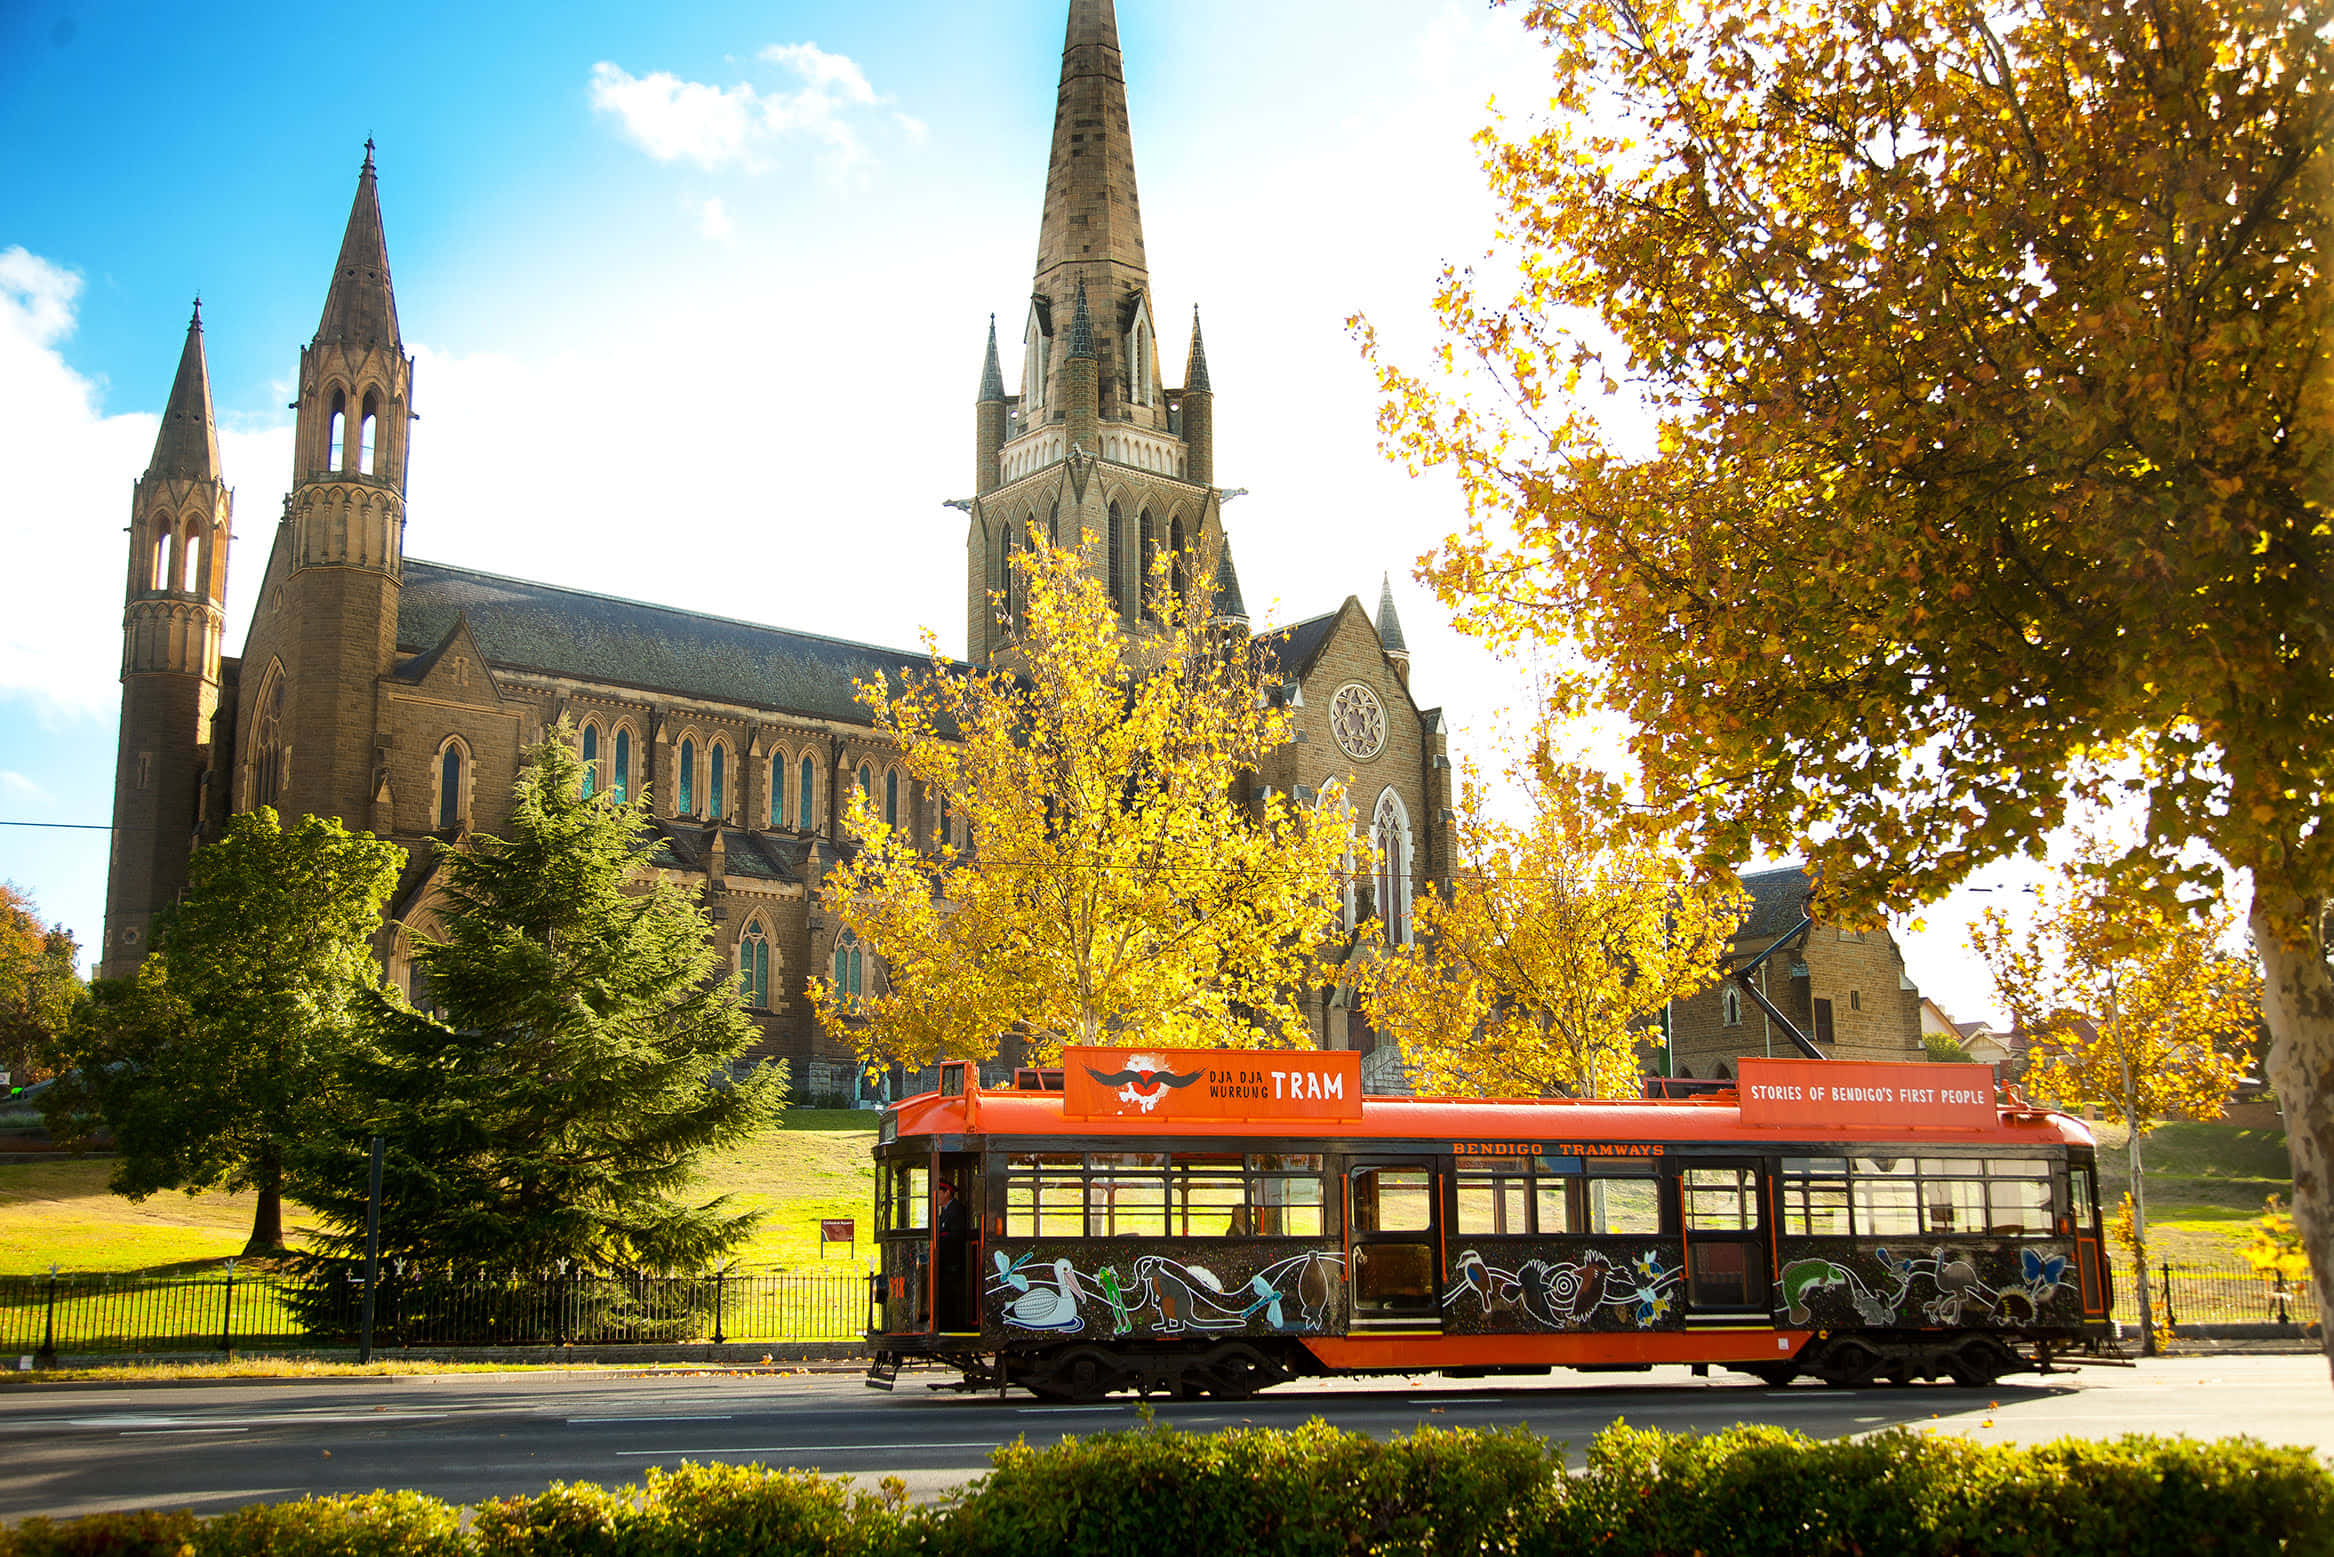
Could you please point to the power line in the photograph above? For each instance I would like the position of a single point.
(86, 827)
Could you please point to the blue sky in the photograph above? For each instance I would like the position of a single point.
(697, 296)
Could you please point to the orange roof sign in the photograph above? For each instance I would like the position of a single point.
(1852, 1092)
(1130, 1084)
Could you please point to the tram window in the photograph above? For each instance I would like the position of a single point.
(2018, 1193)
(1815, 1197)
(1721, 1200)
(1626, 1207)
(1045, 1196)
(1126, 1205)
(1210, 1199)
(1392, 1200)
(1555, 1205)
(909, 1205)
(1288, 1205)
(1887, 1198)
(2079, 1191)
(1953, 1205)
(1493, 1203)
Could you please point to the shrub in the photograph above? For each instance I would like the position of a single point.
(1315, 1490)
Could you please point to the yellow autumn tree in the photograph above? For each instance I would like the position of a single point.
(1975, 376)
(1560, 938)
(2126, 1004)
(1108, 879)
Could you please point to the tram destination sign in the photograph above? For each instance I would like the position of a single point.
(1192, 1084)
(1852, 1092)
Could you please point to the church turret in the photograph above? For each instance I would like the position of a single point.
(1390, 630)
(344, 543)
(989, 418)
(1081, 393)
(172, 621)
(1199, 411)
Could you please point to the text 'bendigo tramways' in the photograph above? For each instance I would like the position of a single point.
(1211, 1084)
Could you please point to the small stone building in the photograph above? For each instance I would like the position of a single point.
(1845, 991)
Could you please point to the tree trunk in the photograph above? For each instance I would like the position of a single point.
(2297, 1000)
(267, 1220)
(2139, 1233)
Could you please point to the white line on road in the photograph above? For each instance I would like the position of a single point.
(1063, 1410)
(604, 1421)
(810, 1448)
(172, 1432)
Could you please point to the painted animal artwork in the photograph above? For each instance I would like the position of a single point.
(1296, 1294)
(1567, 1294)
(1948, 1286)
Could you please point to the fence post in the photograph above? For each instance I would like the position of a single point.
(2170, 1318)
(227, 1318)
(719, 1272)
(372, 1254)
(559, 1307)
(48, 1351)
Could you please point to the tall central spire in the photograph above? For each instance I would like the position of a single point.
(361, 310)
(187, 446)
(1093, 224)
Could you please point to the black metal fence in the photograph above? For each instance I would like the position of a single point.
(226, 1311)
(2215, 1295)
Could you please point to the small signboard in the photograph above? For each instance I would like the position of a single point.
(838, 1229)
(1852, 1092)
(1191, 1084)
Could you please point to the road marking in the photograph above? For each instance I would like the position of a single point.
(1063, 1410)
(810, 1448)
(255, 1419)
(170, 1432)
(603, 1421)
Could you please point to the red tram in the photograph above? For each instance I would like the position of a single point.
(1220, 1221)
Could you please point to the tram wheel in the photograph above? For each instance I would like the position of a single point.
(1236, 1372)
(1086, 1375)
(1772, 1374)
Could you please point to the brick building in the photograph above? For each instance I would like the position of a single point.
(396, 693)
(1846, 991)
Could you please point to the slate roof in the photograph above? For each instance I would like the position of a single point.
(1778, 901)
(685, 845)
(1292, 650)
(521, 625)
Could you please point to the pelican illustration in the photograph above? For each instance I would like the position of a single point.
(1048, 1308)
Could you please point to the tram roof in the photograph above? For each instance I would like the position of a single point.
(1707, 1120)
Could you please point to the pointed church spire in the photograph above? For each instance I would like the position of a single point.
(1195, 368)
(1081, 328)
(361, 309)
(992, 376)
(187, 447)
(1092, 217)
(1390, 625)
(1230, 607)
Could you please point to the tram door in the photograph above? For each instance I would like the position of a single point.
(960, 1197)
(904, 1230)
(1393, 1228)
(1725, 1218)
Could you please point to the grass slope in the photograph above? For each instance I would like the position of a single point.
(816, 1165)
(2205, 1183)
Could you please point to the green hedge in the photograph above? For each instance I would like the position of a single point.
(1748, 1492)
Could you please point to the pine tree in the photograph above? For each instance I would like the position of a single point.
(555, 1107)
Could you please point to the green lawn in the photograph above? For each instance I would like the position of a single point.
(2205, 1183)
(815, 1166)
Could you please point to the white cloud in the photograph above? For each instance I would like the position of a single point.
(734, 126)
(713, 221)
(15, 786)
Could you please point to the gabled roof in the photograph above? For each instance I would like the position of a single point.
(685, 845)
(1778, 901)
(1290, 651)
(522, 625)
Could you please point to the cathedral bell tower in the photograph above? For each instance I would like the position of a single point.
(343, 546)
(1095, 443)
(172, 620)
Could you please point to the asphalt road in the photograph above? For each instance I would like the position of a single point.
(464, 1437)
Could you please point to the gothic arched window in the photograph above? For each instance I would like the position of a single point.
(190, 554)
(367, 426)
(452, 770)
(1390, 831)
(848, 970)
(947, 824)
(1147, 586)
(717, 782)
(807, 797)
(623, 776)
(267, 741)
(753, 966)
(1118, 591)
(336, 434)
(1053, 526)
(891, 798)
(778, 789)
(1730, 1004)
(591, 759)
(686, 778)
